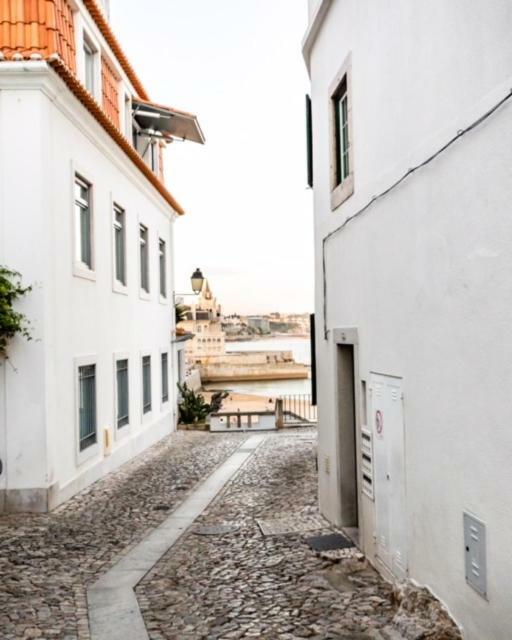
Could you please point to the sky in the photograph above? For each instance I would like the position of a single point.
(237, 64)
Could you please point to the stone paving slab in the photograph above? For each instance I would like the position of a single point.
(47, 561)
(292, 523)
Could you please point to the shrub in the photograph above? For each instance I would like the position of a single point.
(12, 322)
(194, 408)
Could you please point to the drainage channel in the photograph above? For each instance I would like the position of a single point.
(114, 612)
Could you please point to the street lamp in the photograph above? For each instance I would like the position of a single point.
(197, 280)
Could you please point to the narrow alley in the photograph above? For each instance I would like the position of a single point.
(223, 578)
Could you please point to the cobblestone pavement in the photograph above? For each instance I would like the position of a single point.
(240, 584)
(47, 561)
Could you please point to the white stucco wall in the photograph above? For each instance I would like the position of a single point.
(50, 136)
(424, 274)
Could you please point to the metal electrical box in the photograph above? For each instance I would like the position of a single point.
(475, 554)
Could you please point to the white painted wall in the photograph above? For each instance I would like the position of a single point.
(47, 136)
(424, 275)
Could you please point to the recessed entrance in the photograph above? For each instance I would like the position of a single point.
(347, 435)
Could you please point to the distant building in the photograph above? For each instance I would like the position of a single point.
(411, 153)
(85, 217)
(204, 320)
(259, 323)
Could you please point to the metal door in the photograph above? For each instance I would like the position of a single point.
(389, 456)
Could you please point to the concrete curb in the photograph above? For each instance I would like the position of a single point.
(114, 613)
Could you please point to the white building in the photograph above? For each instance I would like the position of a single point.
(414, 294)
(86, 218)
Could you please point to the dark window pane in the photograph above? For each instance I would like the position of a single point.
(123, 417)
(165, 378)
(146, 384)
(87, 406)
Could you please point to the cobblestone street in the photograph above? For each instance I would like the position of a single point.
(222, 579)
(46, 561)
(242, 584)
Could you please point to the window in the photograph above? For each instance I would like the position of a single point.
(120, 244)
(89, 66)
(146, 384)
(144, 259)
(341, 132)
(154, 151)
(87, 405)
(165, 378)
(123, 412)
(163, 267)
(83, 222)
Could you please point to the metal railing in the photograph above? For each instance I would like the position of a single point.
(297, 409)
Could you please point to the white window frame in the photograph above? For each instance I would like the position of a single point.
(163, 297)
(165, 405)
(80, 269)
(148, 416)
(117, 285)
(94, 450)
(87, 39)
(340, 192)
(125, 431)
(144, 295)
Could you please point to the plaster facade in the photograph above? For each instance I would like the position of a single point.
(78, 317)
(418, 285)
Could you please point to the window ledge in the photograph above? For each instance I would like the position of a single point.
(164, 299)
(118, 287)
(122, 432)
(144, 295)
(85, 455)
(80, 270)
(342, 192)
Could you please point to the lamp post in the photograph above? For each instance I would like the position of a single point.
(197, 281)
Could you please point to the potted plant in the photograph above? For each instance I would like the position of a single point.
(194, 410)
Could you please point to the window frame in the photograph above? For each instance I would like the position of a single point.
(126, 425)
(117, 285)
(146, 414)
(164, 393)
(342, 185)
(145, 294)
(80, 268)
(87, 40)
(162, 269)
(83, 455)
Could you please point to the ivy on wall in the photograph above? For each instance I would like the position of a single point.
(12, 322)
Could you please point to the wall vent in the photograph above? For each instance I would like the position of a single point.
(475, 554)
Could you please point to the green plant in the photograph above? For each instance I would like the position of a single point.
(194, 408)
(11, 322)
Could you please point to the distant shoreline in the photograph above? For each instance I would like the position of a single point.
(269, 336)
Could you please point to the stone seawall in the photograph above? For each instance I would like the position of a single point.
(249, 366)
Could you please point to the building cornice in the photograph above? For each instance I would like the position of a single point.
(315, 25)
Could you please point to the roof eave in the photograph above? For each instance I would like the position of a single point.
(313, 30)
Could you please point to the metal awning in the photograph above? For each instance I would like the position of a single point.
(166, 122)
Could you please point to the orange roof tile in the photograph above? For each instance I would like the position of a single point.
(106, 30)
